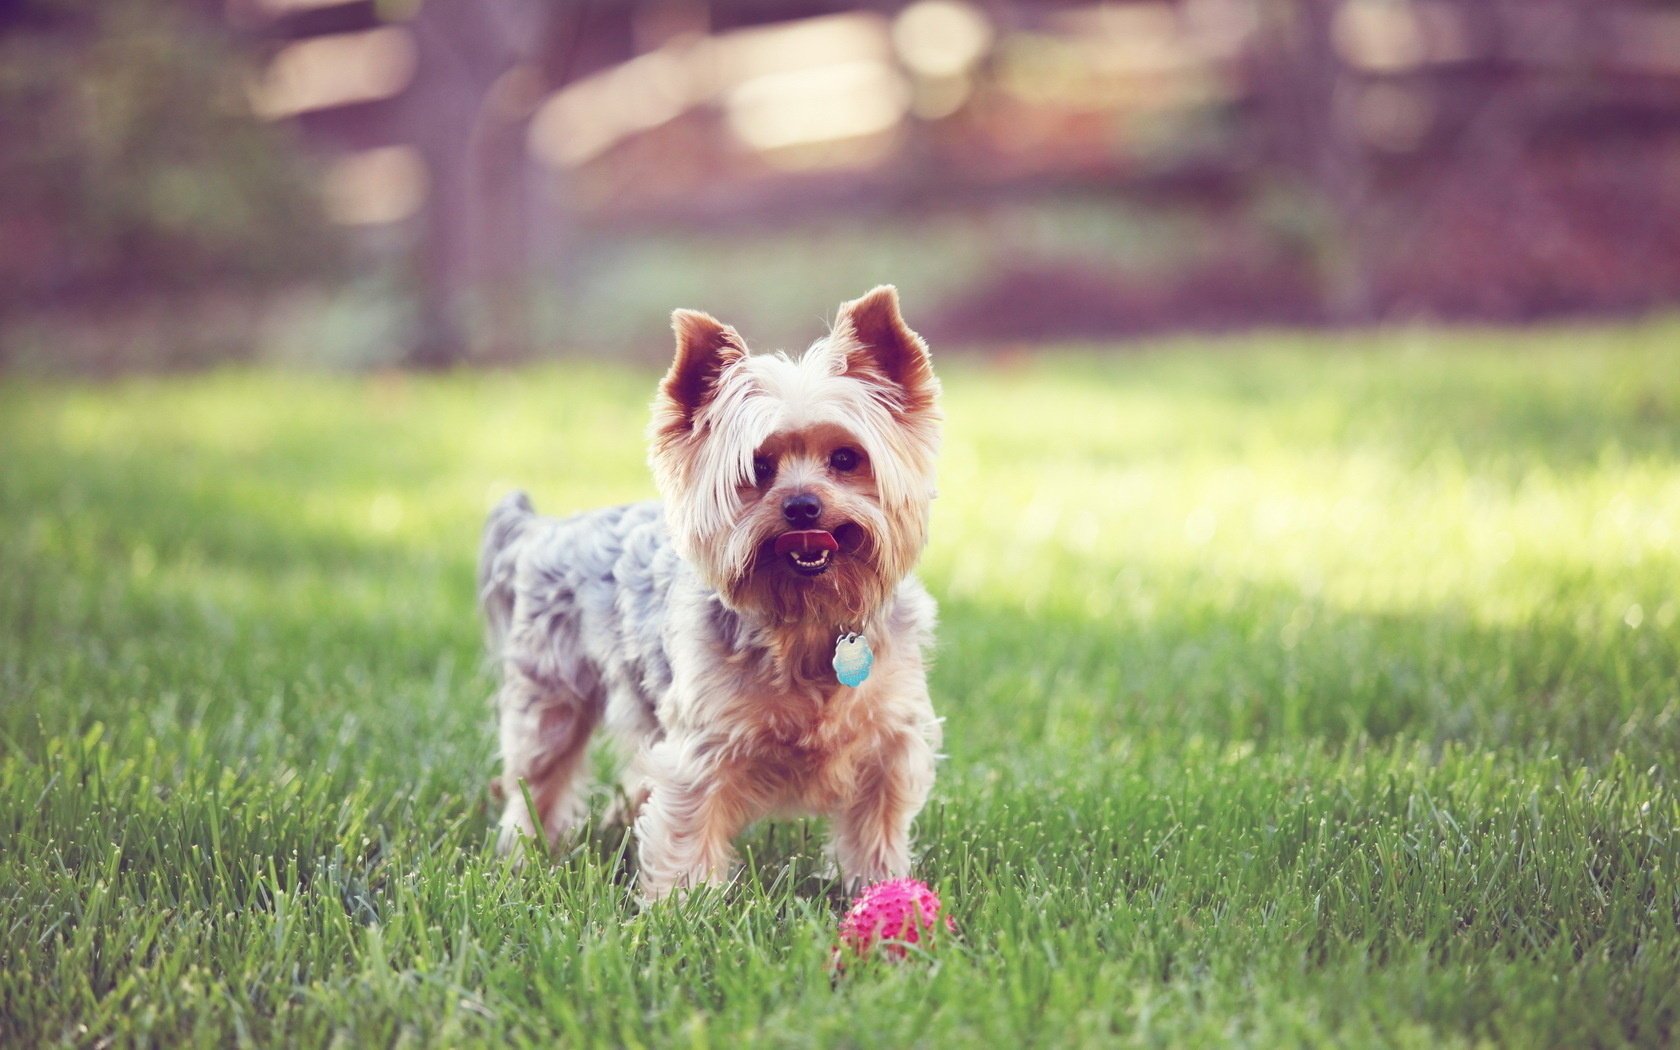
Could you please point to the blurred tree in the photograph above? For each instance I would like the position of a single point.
(132, 162)
(468, 113)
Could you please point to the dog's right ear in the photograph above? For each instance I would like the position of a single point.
(705, 347)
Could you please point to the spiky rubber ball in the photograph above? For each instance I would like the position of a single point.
(892, 914)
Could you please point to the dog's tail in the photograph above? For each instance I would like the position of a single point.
(497, 564)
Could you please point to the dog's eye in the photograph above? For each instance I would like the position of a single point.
(845, 460)
(764, 471)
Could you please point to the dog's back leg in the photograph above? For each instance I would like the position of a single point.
(545, 730)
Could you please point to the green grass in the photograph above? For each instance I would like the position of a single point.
(1298, 691)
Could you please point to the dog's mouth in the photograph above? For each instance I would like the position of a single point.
(810, 552)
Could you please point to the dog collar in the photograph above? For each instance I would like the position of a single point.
(853, 659)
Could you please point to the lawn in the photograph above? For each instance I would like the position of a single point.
(1299, 690)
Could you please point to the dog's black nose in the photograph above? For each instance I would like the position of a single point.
(802, 510)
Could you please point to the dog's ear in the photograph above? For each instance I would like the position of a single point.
(887, 346)
(705, 347)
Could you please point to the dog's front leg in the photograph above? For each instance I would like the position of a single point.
(871, 831)
(695, 807)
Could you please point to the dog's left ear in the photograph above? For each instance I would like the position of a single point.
(885, 344)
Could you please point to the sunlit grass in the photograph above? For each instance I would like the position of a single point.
(1297, 689)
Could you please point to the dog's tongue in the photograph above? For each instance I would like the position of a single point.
(806, 540)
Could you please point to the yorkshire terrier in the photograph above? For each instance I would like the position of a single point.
(755, 640)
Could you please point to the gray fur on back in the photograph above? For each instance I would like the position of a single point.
(495, 574)
(580, 602)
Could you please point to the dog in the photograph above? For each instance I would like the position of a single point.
(755, 641)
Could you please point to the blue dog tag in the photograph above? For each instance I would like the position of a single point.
(852, 659)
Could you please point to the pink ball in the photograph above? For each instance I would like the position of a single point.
(896, 911)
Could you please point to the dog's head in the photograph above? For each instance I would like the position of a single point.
(800, 488)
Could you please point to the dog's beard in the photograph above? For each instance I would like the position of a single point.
(849, 587)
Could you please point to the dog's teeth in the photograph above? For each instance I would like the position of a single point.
(809, 560)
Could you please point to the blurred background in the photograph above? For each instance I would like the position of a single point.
(362, 183)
